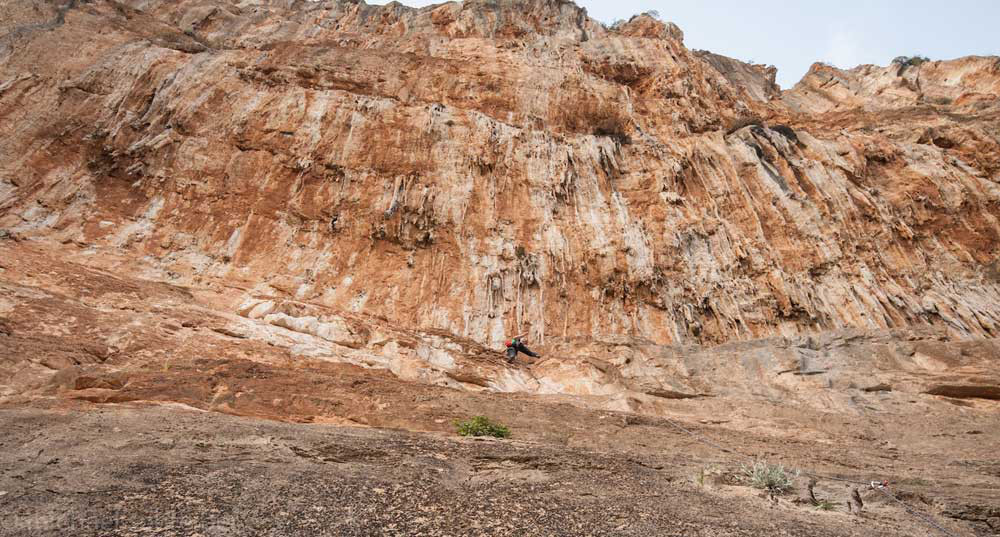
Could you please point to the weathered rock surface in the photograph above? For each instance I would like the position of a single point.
(485, 168)
(75, 336)
(177, 472)
(332, 213)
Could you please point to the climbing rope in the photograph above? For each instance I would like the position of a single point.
(880, 486)
(704, 440)
(914, 513)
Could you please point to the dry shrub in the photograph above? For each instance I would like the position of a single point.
(773, 478)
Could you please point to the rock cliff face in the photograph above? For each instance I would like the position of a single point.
(489, 167)
(329, 212)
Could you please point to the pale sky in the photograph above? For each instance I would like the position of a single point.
(793, 34)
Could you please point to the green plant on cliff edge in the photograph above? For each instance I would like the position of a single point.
(481, 426)
(907, 61)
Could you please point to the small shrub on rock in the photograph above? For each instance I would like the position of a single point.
(770, 477)
(907, 61)
(481, 426)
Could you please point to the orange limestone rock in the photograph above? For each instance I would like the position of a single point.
(481, 167)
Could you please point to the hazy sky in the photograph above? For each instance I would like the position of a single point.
(793, 34)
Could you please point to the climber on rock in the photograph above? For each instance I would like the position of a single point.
(515, 345)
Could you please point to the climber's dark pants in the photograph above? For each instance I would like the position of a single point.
(514, 349)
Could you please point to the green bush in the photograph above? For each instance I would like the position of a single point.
(771, 477)
(907, 61)
(481, 426)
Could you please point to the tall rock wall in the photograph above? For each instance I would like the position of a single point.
(490, 167)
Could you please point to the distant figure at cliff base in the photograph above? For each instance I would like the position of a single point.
(515, 345)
